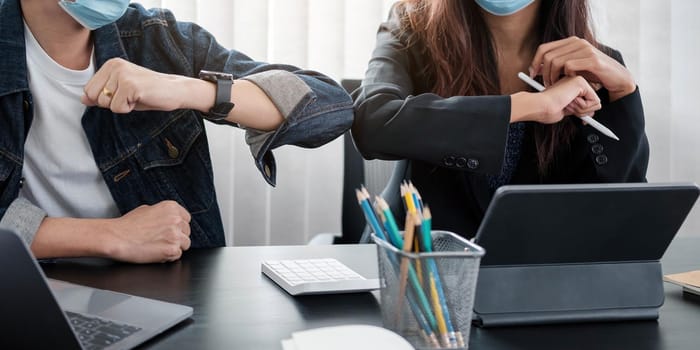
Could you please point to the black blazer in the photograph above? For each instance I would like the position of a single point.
(454, 143)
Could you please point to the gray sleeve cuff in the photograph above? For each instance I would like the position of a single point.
(24, 218)
(285, 89)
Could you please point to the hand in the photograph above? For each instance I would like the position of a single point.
(122, 87)
(575, 56)
(569, 95)
(150, 233)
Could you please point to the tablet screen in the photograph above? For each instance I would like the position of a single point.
(555, 224)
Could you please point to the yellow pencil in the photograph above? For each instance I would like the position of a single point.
(407, 244)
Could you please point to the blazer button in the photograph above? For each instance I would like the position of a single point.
(449, 161)
(597, 149)
(25, 104)
(593, 138)
(601, 159)
(472, 163)
(461, 162)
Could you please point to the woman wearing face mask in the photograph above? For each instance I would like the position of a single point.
(103, 150)
(442, 91)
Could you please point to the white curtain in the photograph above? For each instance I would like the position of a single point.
(659, 41)
(657, 38)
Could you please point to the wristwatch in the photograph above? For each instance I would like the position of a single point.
(222, 105)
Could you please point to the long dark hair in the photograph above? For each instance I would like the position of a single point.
(461, 51)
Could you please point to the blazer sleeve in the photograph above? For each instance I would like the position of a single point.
(606, 160)
(462, 132)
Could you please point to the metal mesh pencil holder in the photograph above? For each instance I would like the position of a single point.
(438, 316)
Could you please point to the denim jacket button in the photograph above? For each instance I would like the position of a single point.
(173, 152)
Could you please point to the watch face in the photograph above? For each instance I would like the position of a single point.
(214, 76)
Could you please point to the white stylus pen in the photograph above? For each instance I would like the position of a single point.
(592, 122)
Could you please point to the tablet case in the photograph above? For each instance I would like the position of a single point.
(576, 268)
(528, 295)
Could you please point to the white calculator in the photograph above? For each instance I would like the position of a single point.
(316, 276)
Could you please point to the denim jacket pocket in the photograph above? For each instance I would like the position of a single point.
(175, 162)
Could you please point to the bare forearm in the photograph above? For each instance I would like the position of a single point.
(524, 106)
(149, 233)
(68, 237)
(254, 109)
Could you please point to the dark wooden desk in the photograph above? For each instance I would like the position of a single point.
(236, 307)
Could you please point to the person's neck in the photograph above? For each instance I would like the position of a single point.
(64, 40)
(515, 35)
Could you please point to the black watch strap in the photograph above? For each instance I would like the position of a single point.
(222, 104)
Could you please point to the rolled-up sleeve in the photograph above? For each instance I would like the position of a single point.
(316, 109)
(24, 218)
(285, 89)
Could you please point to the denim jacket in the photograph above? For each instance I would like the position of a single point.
(148, 157)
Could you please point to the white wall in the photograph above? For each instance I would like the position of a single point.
(657, 38)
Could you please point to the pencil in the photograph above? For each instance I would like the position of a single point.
(390, 223)
(407, 245)
(393, 232)
(426, 331)
(438, 292)
(416, 197)
(363, 200)
(408, 199)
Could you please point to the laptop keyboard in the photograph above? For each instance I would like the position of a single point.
(96, 333)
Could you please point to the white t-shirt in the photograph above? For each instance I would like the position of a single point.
(60, 174)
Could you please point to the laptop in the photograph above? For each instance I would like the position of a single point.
(41, 313)
(577, 253)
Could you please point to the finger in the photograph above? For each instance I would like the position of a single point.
(184, 213)
(185, 243)
(596, 86)
(120, 101)
(560, 57)
(93, 88)
(587, 94)
(185, 228)
(554, 60)
(105, 97)
(107, 92)
(536, 64)
(174, 254)
(591, 110)
(87, 101)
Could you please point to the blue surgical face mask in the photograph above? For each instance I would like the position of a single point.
(503, 7)
(93, 14)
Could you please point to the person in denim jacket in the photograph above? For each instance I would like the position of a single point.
(129, 175)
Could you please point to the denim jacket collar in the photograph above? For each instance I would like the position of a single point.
(107, 44)
(13, 67)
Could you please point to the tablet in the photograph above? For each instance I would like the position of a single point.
(559, 224)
